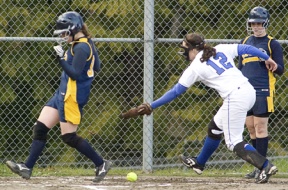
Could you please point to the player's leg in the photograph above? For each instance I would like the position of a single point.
(259, 130)
(249, 154)
(69, 136)
(261, 111)
(261, 126)
(252, 133)
(211, 143)
(47, 119)
(69, 121)
(238, 102)
(251, 128)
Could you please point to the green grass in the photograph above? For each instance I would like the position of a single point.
(184, 172)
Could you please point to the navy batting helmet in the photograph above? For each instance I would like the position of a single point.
(71, 22)
(259, 15)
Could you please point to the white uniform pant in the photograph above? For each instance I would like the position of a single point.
(231, 116)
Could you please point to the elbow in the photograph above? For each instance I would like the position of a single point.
(279, 71)
(97, 65)
(97, 69)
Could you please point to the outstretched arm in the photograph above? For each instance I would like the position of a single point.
(147, 109)
(173, 93)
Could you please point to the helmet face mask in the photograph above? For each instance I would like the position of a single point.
(258, 15)
(63, 37)
(68, 24)
(184, 53)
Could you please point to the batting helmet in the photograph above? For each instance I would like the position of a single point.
(71, 22)
(259, 15)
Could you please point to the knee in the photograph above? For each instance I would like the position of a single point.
(261, 129)
(213, 131)
(40, 131)
(251, 128)
(71, 139)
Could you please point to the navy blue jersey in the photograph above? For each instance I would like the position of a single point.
(78, 74)
(254, 68)
(79, 63)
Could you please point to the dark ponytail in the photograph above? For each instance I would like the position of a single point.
(85, 31)
(208, 52)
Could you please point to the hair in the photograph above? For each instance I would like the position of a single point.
(196, 41)
(85, 31)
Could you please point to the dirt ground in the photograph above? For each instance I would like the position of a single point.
(151, 183)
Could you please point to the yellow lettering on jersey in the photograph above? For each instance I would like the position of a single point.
(250, 59)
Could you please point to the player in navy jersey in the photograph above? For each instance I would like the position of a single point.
(79, 63)
(261, 79)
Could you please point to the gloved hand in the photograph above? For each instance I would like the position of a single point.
(143, 109)
(59, 51)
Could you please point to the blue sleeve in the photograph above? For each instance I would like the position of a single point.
(277, 56)
(173, 93)
(78, 63)
(247, 49)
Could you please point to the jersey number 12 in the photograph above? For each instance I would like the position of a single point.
(222, 60)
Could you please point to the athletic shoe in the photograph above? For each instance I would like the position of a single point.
(253, 175)
(266, 173)
(20, 169)
(191, 162)
(102, 171)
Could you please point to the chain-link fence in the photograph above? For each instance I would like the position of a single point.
(138, 44)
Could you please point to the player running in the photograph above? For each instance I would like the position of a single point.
(78, 64)
(215, 68)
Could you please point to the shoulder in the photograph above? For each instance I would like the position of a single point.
(275, 45)
(274, 42)
(84, 46)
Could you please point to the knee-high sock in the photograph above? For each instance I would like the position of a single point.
(262, 145)
(85, 148)
(35, 151)
(254, 143)
(208, 149)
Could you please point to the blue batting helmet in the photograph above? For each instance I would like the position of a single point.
(259, 15)
(71, 22)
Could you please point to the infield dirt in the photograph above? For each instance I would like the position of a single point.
(143, 182)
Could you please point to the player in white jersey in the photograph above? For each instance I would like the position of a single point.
(215, 68)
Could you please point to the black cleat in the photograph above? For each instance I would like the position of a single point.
(191, 162)
(102, 171)
(253, 175)
(266, 173)
(20, 169)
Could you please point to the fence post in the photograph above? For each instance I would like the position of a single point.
(148, 84)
